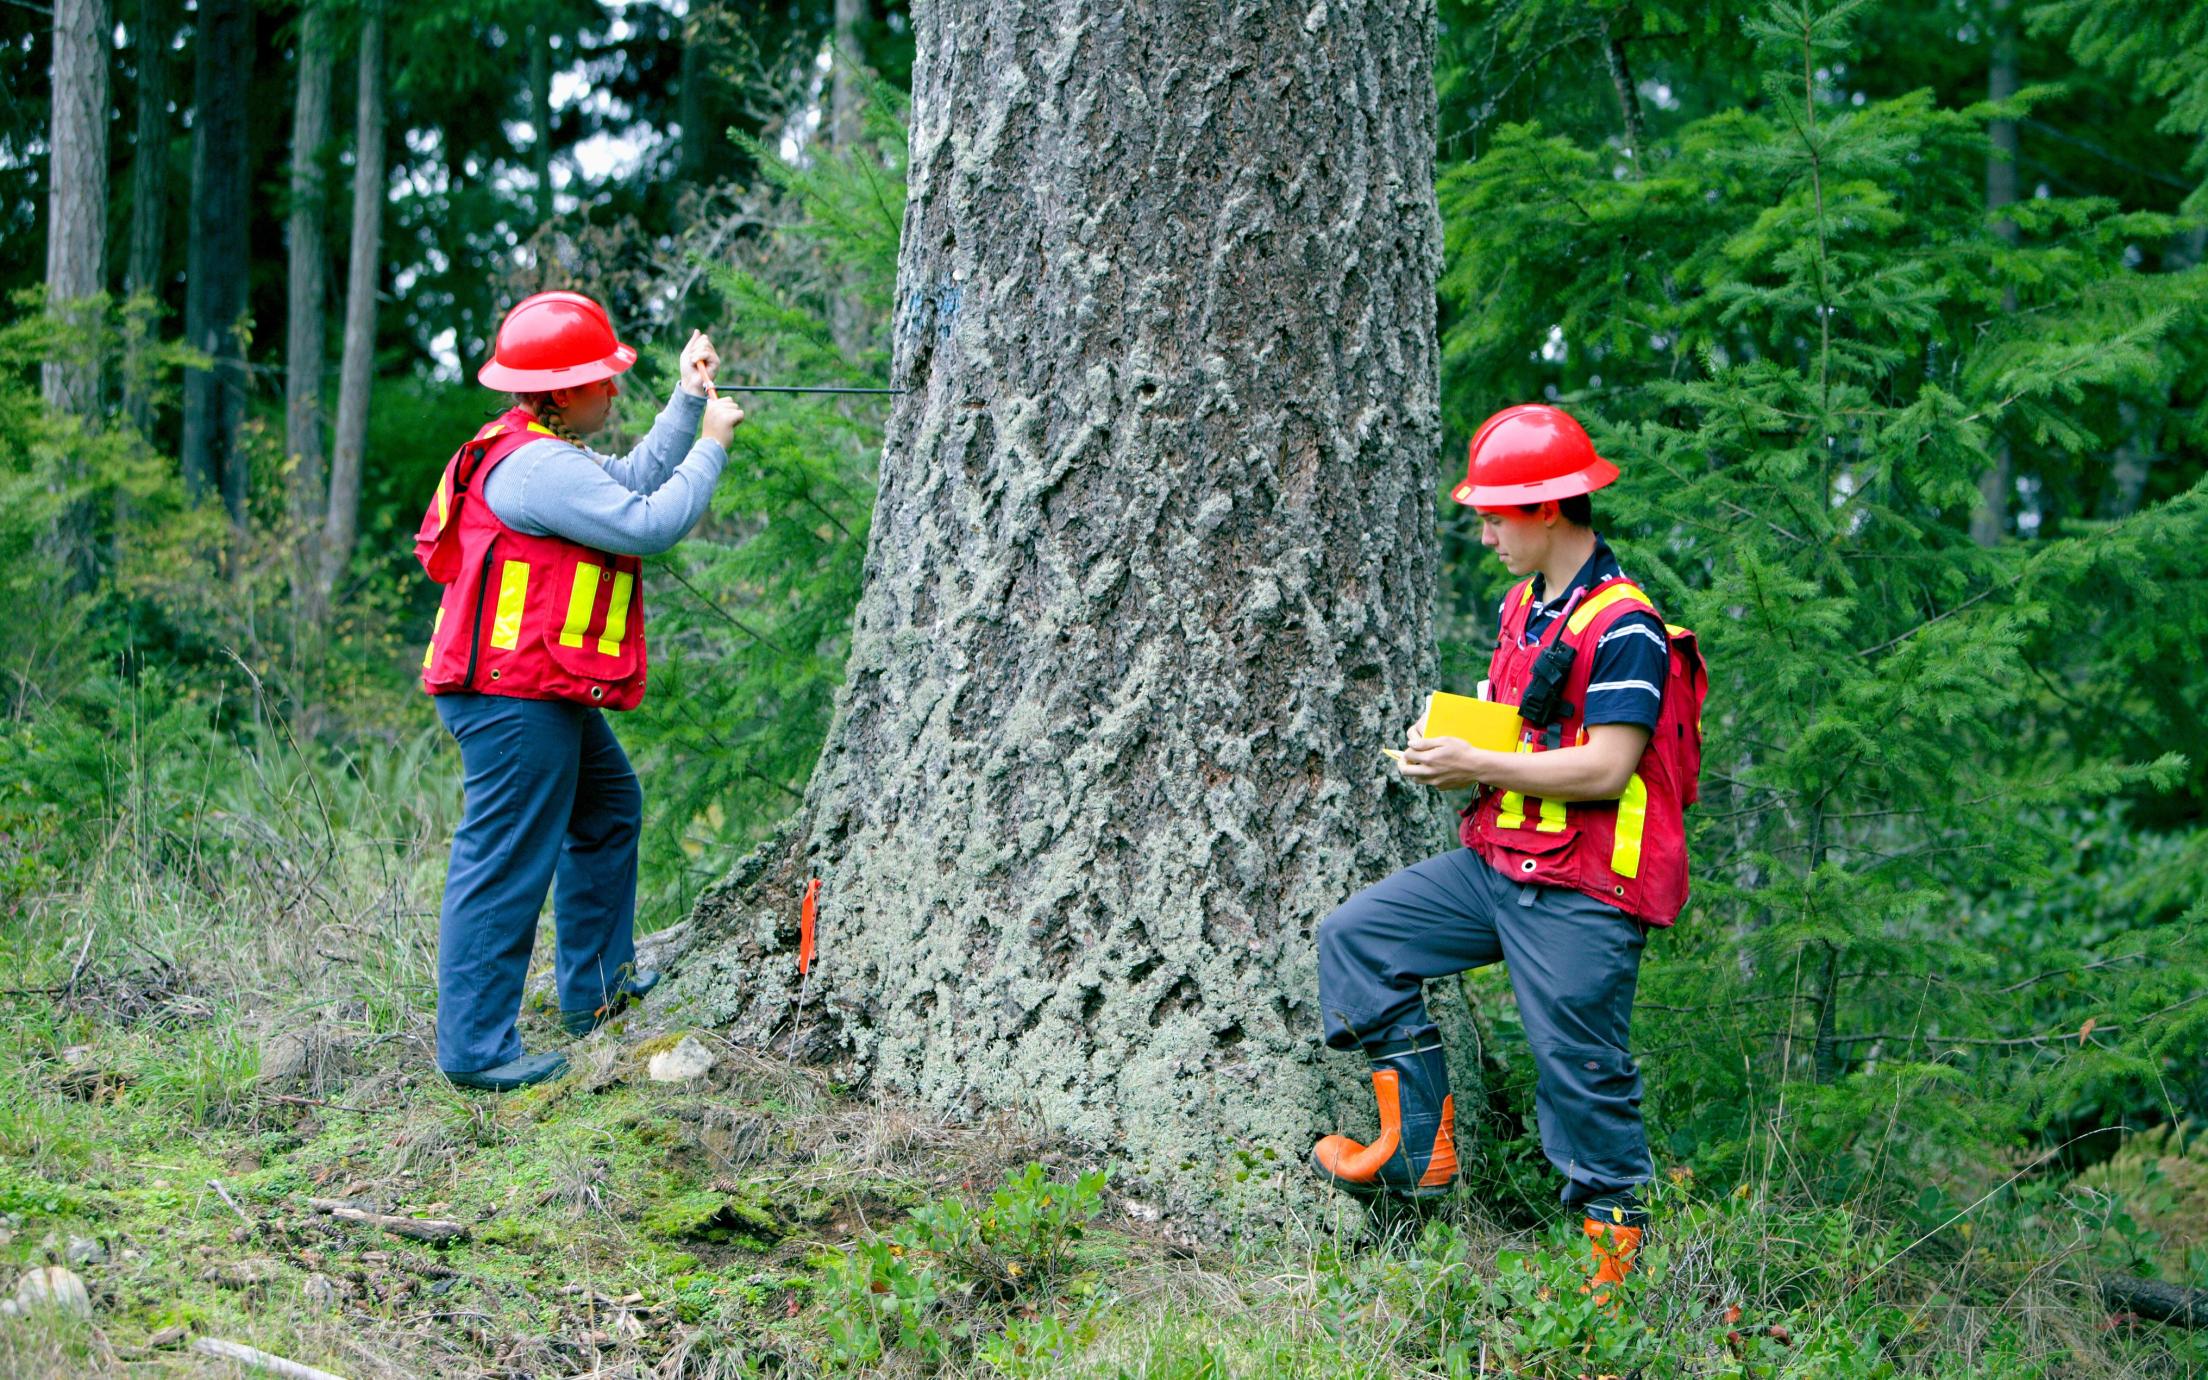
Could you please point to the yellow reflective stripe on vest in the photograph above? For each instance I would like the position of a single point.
(513, 591)
(434, 629)
(1512, 814)
(1525, 592)
(1587, 610)
(581, 601)
(1625, 850)
(617, 614)
(1552, 817)
(542, 430)
(444, 499)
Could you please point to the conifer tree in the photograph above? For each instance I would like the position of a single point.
(1785, 322)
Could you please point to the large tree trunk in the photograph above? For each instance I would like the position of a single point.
(214, 290)
(310, 131)
(76, 205)
(1992, 517)
(153, 32)
(356, 368)
(1150, 582)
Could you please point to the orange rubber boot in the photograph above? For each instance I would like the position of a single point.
(1615, 1225)
(1415, 1155)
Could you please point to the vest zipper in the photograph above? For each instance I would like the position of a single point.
(475, 630)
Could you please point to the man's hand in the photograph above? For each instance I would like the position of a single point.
(721, 418)
(699, 363)
(1446, 764)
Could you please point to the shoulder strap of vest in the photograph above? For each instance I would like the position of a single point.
(1614, 597)
(499, 438)
(1515, 604)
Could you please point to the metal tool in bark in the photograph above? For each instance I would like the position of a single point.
(705, 380)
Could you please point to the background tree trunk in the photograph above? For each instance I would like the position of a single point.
(356, 368)
(843, 91)
(153, 31)
(540, 118)
(844, 325)
(1992, 517)
(76, 223)
(1629, 95)
(2141, 447)
(214, 290)
(310, 131)
(1150, 581)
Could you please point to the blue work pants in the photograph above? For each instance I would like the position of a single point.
(551, 804)
(1573, 963)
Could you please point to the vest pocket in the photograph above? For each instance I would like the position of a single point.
(598, 635)
(1536, 855)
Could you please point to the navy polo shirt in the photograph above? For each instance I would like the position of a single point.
(1626, 685)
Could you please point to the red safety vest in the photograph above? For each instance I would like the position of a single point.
(1630, 852)
(534, 618)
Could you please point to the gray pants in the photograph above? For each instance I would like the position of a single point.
(1573, 962)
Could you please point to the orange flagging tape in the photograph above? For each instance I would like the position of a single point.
(806, 915)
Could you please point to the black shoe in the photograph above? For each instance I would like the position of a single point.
(1416, 1154)
(579, 1023)
(519, 1073)
(1622, 1209)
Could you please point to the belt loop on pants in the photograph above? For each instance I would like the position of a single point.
(1527, 894)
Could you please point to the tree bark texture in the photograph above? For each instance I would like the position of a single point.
(1150, 581)
(152, 33)
(214, 289)
(310, 131)
(76, 206)
(356, 366)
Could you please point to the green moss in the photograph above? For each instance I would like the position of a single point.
(741, 1218)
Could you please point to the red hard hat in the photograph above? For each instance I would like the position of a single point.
(554, 340)
(1530, 454)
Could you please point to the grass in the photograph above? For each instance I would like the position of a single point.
(766, 1222)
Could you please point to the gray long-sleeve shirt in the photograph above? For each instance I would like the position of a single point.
(637, 505)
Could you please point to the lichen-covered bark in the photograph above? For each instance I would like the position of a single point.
(1149, 584)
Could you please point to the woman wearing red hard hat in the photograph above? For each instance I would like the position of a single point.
(537, 540)
(1574, 849)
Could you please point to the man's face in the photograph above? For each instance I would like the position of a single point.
(1519, 540)
(585, 408)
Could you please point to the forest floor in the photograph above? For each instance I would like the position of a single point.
(201, 1085)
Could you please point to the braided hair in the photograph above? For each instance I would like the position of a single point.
(547, 413)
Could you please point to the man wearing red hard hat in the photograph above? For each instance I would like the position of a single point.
(538, 542)
(1574, 849)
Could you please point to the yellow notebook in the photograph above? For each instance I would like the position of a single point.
(1479, 722)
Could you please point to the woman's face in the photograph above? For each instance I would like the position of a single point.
(584, 409)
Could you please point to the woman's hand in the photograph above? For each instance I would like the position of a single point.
(699, 363)
(722, 416)
(1446, 764)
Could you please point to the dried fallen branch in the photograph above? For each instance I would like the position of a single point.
(2156, 1300)
(260, 1360)
(216, 1185)
(427, 1229)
